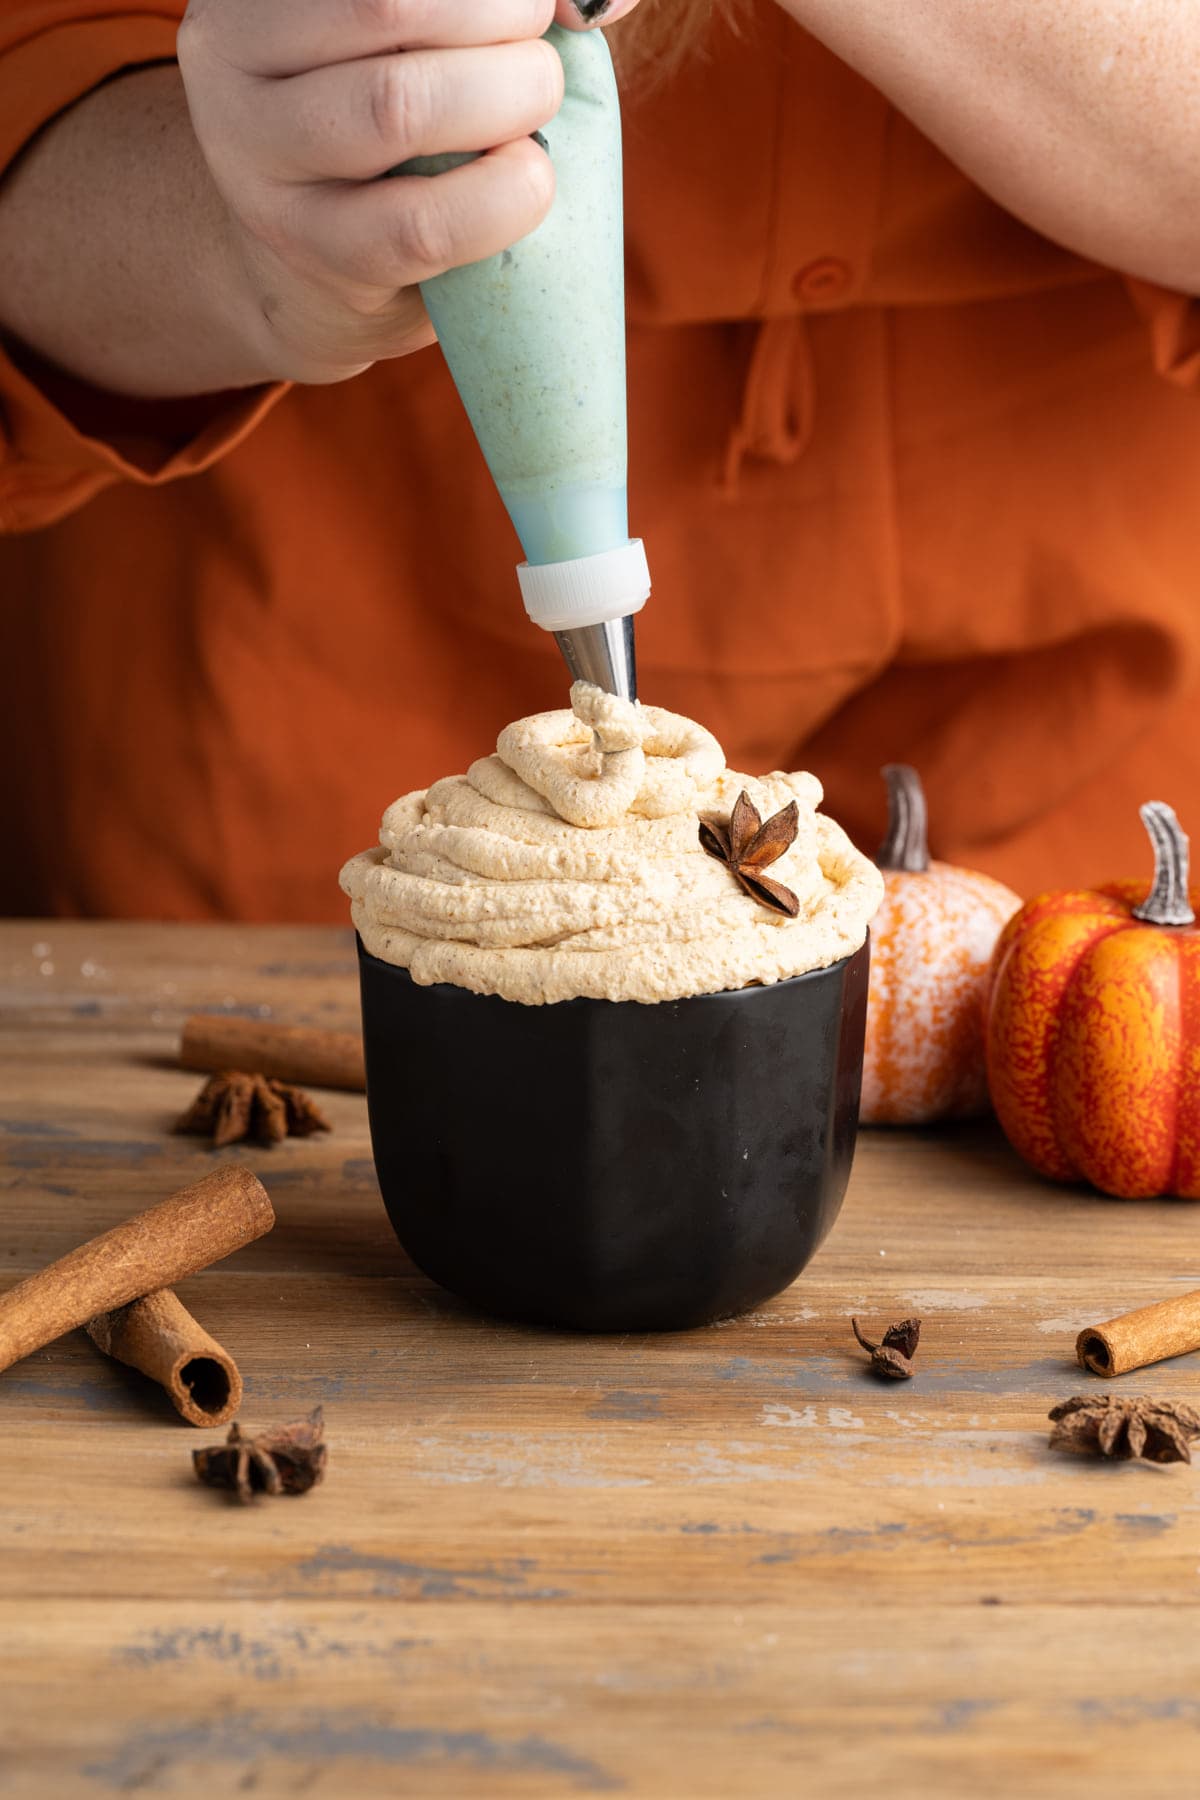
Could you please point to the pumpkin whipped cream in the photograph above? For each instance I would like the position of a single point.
(570, 864)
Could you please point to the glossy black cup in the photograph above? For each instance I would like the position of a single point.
(612, 1166)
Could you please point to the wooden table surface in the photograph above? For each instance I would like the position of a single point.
(725, 1563)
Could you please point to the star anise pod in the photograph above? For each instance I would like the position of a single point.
(746, 846)
(893, 1356)
(289, 1459)
(1135, 1429)
(233, 1105)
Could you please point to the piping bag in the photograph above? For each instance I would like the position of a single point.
(535, 341)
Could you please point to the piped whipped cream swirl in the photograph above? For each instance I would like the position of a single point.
(569, 865)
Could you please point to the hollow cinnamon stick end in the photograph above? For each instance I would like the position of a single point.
(158, 1336)
(206, 1388)
(1096, 1353)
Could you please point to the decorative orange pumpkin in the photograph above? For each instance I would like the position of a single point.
(931, 942)
(1093, 1029)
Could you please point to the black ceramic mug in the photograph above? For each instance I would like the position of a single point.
(614, 1166)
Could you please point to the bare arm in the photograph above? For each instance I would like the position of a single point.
(1080, 116)
(117, 259)
(182, 233)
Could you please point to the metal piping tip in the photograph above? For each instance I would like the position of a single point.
(603, 655)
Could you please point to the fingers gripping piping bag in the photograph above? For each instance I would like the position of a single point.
(535, 341)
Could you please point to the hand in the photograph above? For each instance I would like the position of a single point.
(298, 105)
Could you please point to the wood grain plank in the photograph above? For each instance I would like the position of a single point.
(700, 1699)
(712, 1563)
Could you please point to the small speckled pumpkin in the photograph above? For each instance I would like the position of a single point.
(1093, 1029)
(931, 942)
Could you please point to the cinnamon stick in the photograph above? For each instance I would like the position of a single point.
(182, 1234)
(158, 1335)
(307, 1054)
(1149, 1335)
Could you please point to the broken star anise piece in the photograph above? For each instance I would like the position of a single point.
(233, 1105)
(287, 1460)
(893, 1355)
(746, 846)
(1134, 1430)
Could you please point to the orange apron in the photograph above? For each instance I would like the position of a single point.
(916, 484)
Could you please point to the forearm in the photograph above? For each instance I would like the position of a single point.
(116, 261)
(186, 231)
(1082, 117)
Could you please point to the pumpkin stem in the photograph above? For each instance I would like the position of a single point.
(906, 845)
(1167, 902)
